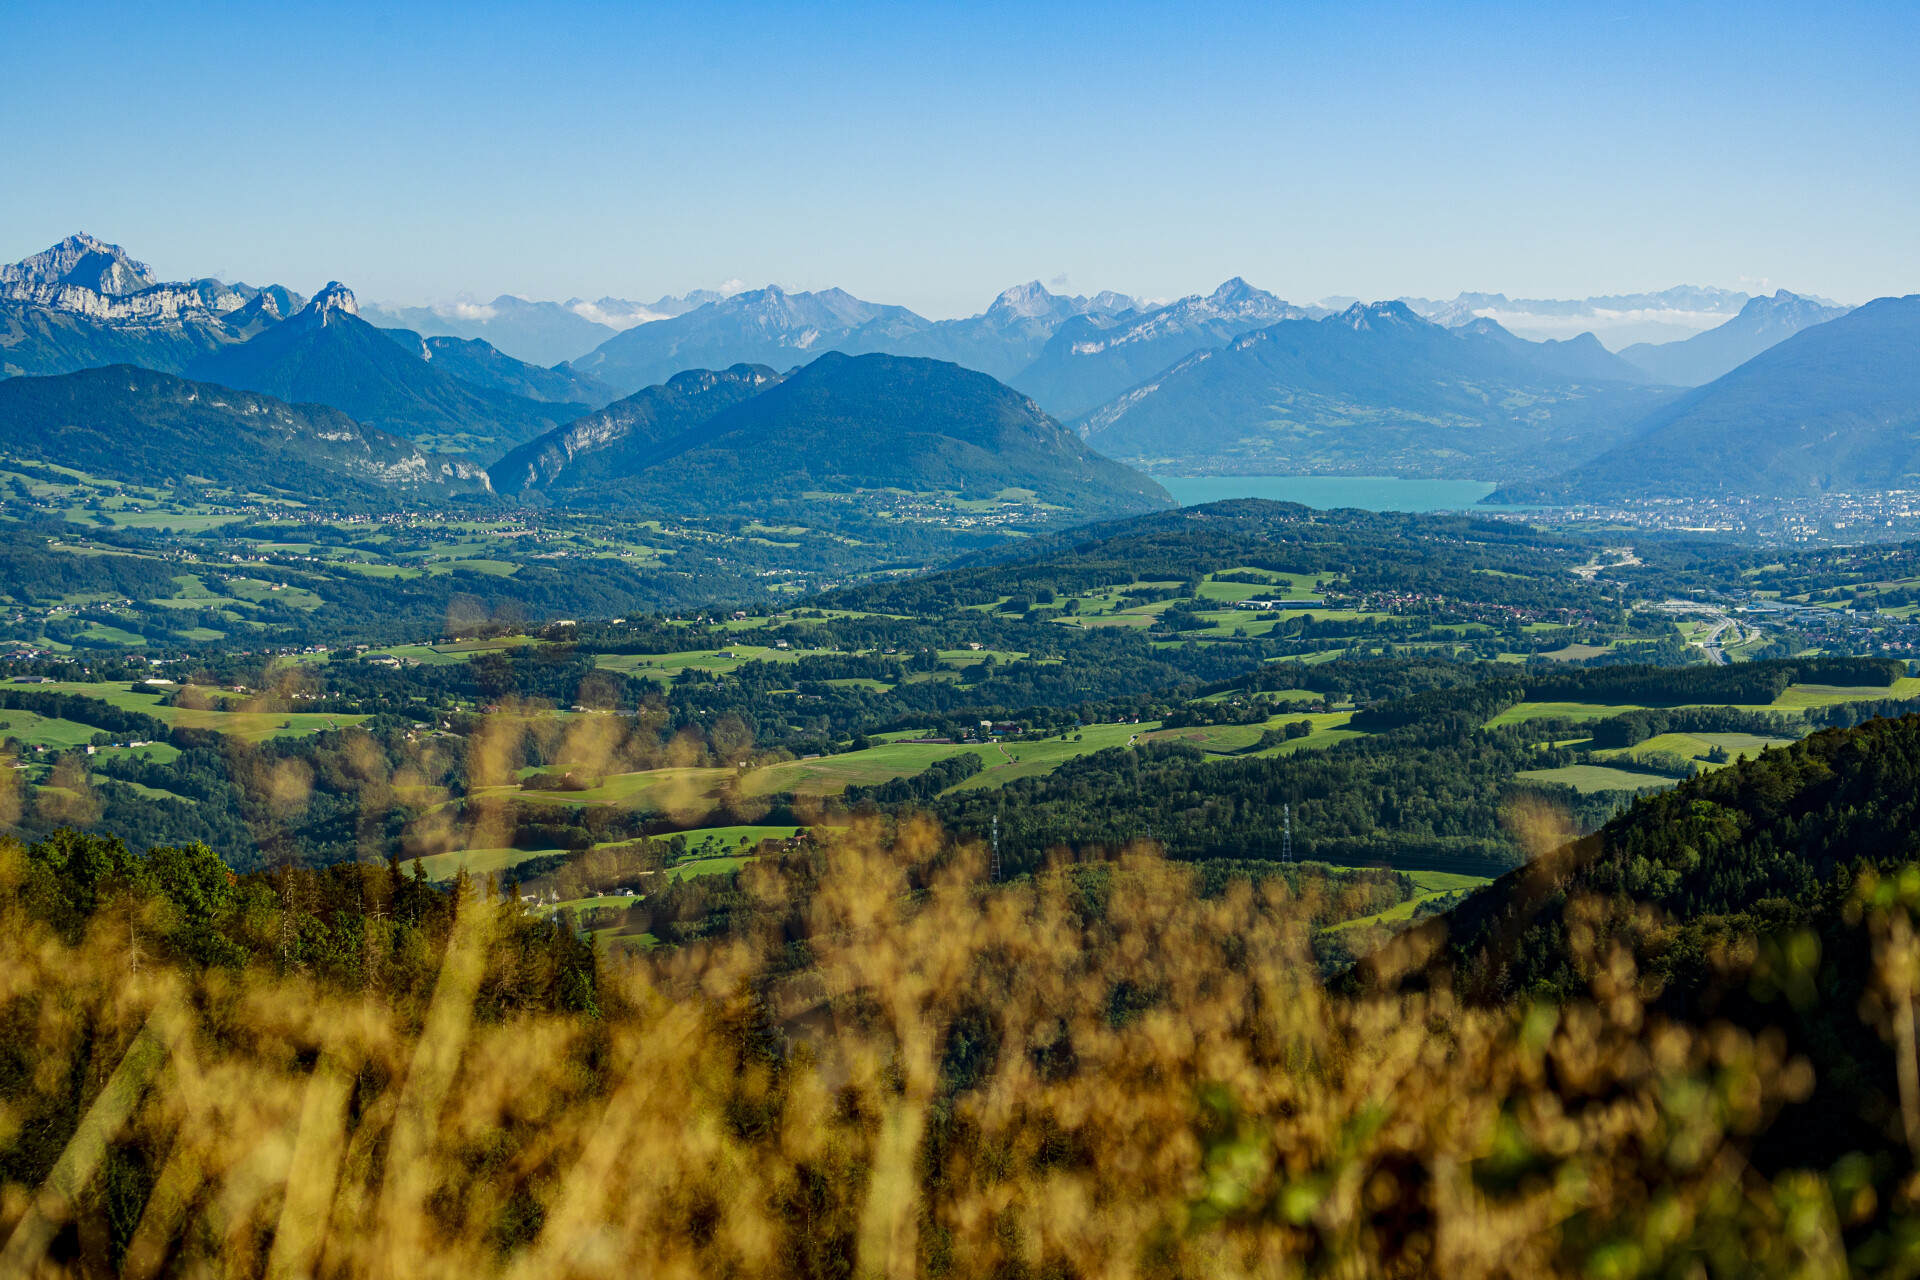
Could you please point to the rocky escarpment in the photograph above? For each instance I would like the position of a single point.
(87, 277)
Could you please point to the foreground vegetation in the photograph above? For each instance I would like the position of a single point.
(887, 1065)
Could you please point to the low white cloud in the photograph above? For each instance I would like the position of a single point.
(626, 317)
(1598, 319)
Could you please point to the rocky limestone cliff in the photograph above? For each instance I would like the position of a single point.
(86, 277)
(83, 262)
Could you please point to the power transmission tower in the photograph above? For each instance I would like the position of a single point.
(1286, 833)
(996, 848)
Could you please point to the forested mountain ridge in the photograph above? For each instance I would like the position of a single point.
(83, 304)
(625, 437)
(148, 427)
(1092, 359)
(326, 354)
(1776, 859)
(1762, 323)
(762, 326)
(1375, 390)
(483, 365)
(1002, 341)
(1835, 407)
(837, 424)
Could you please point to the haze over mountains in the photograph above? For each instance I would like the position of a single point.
(544, 333)
(1238, 380)
(1618, 320)
(1762, 322)
(1376, 390)
(1833, 407)
(326, 354)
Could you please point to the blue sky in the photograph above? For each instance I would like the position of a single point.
(932, 154)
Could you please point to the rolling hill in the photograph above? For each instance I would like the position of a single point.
(1093, 358)
(1762, 322)
(326, 354)
(626, 437)
(1375, 390)
(148, 427)
(840, 423)
(1835, 407)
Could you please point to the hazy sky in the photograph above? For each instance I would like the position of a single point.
(931, 154)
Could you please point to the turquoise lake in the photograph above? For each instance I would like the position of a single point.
(1369, 493)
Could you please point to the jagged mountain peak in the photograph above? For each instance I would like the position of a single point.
(1375, 315)
(335, 297)
(81, 260)
(1238, 290)
(1029, 300)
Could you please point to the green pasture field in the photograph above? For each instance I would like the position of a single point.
(714, 839)
(1430, 885)
(1224, 739)
(694, 867)
(113, 635)
(158, 752)
(1576, 652)
(478, 862)
(1827, 695)
(662, 667)
(661, 790)
(151, 793)
(586, 904)
(830, 775)
(1008, 761)
(1795, 698)
(958, 658)
(1588, 778)
(1751, 743)
(253, 726)
(1521, 711)
(39, 731)
(441, 655)
(1445, 881)
(1696, 746)
(1329, 730)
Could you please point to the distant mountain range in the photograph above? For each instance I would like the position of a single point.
(762, 326)
(1833, 408)
(1616, 319)
(85, 303)
(482, 365)
(773, 327)
(1375, 390)
(1237, 380)
(148, 427)
(1762, 322)
(707, 441)
(545, 333)
(1091, 359)
(326, 354)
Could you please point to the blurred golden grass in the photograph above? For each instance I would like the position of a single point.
(1097, 1073)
